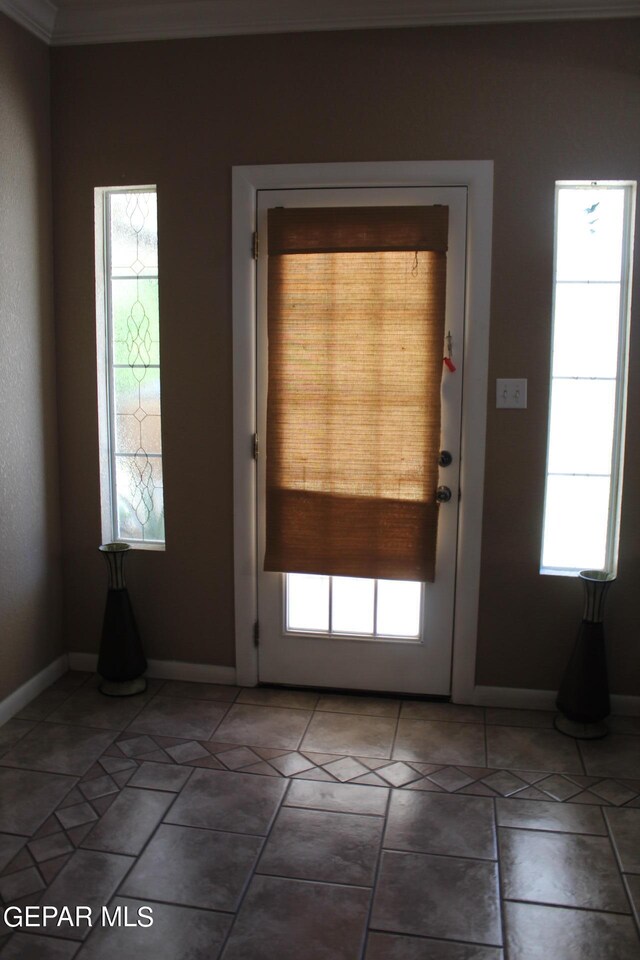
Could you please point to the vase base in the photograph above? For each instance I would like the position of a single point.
(123, 688)
(580, 731)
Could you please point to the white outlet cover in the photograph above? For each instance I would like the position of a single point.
(511, 393)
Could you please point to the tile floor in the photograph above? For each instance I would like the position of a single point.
(262, 823)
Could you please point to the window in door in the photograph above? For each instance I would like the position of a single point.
(353, 606)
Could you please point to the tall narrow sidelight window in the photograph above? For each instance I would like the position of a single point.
(129, 365)
(592, 293)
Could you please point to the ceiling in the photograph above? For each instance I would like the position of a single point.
(104, 21)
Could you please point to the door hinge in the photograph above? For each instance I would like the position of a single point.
(256, 633)
(255, 446)
(255, 245)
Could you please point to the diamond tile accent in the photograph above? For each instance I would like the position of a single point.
(20, 884)
(322, 758)
(77, 834)
(373, 764)
(533, 776)
(398, 774)
(425, 784)
(450, 778)
(504, 783)
(291, 763)
(102, 804)
(123, 776)
(345, 769)
(262, 767)
(136, 746)
(51, 825)
(558, 787)
(614, 792)
(587, 797)
(74, 816)
(238, 757)
(426, 768)
(49, 847)
(184, 752)
(371, 779)
(317, 773)
(531, 793)
(481, 790)
(99, 787)
(52, 868)
(115, 764)
(20, 862)
(72, 798)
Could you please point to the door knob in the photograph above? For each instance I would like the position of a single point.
(445, 459)
(443, 494)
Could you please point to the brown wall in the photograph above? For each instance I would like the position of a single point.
(545, 102)
(30, 634)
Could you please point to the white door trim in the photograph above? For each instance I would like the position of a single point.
(477, 176)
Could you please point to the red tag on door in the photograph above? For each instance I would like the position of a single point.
(449, 364)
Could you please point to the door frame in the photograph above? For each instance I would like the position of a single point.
(477, 177)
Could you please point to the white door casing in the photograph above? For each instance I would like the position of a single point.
(476, 177)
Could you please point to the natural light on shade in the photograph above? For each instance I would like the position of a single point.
(588, 373)
(353, 606)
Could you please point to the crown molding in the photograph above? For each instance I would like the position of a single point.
(116, 21)
(36, 16)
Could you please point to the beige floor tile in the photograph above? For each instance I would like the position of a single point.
(176, 932)
(549, 815)
(222, 800)
(535, 932)
(440, 897)
(617, 755)
(316, 845)
(339, 797)
(435, 741)
(364, 706)
(350, 734)
(392, 946)
(568, 870)
(439, 823)
(293, 919)
(514, 748)
(432, 710)
(624, 825)
(261, 726)
(191, 867)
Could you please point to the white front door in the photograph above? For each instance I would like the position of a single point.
(354, 633)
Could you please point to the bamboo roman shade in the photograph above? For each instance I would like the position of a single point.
(356, 300)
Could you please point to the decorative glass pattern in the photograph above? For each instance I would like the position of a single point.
(134, 361)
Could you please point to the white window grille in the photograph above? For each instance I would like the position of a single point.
(128, 342)
(592, 292)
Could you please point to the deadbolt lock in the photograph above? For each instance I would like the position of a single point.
(445, 459)
(443, 494)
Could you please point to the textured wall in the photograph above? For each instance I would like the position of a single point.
(544, 101)
(30, 593)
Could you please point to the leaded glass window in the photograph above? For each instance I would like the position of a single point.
(129, 355)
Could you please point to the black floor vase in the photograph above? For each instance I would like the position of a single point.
(121, 662)
(583, 697)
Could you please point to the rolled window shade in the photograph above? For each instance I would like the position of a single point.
(356, 302)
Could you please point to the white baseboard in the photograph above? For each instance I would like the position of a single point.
(15, 702)
(525, 699)
(166, 669)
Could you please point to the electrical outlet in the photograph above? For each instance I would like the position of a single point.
(511, 394)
